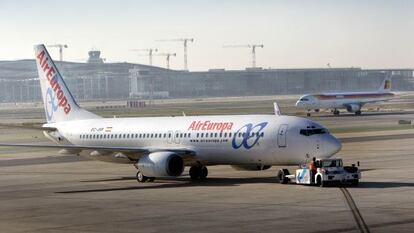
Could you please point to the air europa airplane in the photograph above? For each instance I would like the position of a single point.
(163, 146)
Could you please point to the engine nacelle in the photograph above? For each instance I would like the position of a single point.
(161, 164)
(353, 107)
(251, 167)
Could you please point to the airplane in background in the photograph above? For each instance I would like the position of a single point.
(163, 146)
(351, 101)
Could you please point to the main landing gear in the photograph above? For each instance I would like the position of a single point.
(198, 172)
(141, 178)
(336, 112)
(309, 112)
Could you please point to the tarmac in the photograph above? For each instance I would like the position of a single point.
(43, 191)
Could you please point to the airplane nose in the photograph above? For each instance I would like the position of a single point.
(332, 145)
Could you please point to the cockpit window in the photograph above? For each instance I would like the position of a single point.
(309, 132)
(304, 99)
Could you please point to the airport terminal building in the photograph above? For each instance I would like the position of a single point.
(121, 81)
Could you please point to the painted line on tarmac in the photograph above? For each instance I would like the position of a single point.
(376, 138)
(359, 220)
(42, 160)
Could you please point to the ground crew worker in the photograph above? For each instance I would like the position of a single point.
(312, 169)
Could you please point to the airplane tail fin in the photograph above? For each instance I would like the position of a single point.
(59, 103)
(386, 84)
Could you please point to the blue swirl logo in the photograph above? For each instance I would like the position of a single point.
(248, 136)
(51, 104)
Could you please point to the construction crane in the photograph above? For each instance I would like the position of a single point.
(150, 53)
(167, 56)
(61, 47)
(185, 41)
(252, 46)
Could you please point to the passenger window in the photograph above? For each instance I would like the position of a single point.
(197, 135)
(202, 134)
(215, 134)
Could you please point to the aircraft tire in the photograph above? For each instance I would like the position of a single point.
(203, 173)
(358, 113)
(282, 176)
(141, 178)
(151, 179)
(195, 172)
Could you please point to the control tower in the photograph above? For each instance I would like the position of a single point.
(95, 57)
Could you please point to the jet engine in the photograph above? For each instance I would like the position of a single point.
(254, 167)
(353, 107)
(161, 164)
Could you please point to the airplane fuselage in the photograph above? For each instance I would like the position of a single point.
(341, 100)
(234, 140)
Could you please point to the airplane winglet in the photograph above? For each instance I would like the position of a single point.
(277, 109)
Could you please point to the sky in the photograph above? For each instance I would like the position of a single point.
(295, 34)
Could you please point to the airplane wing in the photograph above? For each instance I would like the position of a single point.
(33, 126)
(179, 151)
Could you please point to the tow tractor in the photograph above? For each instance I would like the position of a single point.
(329, 171)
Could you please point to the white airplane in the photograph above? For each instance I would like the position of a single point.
(163, 146)
(351, 101)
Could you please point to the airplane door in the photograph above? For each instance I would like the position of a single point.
(281, 135)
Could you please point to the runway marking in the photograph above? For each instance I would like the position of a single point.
(363, 227)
